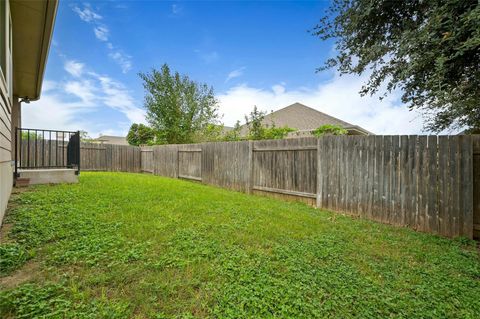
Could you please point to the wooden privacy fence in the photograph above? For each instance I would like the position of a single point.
(108, 157)
(146, 157)
(429, 183)
(42, 152)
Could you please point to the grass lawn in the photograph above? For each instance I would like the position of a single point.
(137, 246)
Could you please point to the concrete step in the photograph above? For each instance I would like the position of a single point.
(49, 176)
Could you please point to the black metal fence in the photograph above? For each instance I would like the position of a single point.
(44, 149)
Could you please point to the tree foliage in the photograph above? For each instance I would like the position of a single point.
(140, 134)
(257, 130)
(254, 122)
(27, 135)
(429, 49)
(210, 133)
(84, 137)
(234, 134)
(329, 129)
(178, 107)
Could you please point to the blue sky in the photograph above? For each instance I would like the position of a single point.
(252, 53)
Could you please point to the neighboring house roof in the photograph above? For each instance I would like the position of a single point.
(227, 129)
(32, 25)
(109, 139)
(304, 118)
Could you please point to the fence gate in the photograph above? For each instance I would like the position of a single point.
(146, 158)
(190, 163)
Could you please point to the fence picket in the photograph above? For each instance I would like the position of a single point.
(424, 182)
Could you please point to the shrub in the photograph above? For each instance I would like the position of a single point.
(329, 129)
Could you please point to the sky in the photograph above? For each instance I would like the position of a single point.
(251, 53)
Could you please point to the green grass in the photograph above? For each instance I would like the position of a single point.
(138, 246)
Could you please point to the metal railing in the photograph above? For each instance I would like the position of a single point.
(46, 149)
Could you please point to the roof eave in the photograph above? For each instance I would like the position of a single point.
(31, 89)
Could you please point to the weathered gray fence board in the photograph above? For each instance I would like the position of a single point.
(146, 158)
(422, 182)
(107, 157)
(286, 165)
(189, 162)
(428, 183)
(476, 184)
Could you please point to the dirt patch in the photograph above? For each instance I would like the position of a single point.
(4, 231)
(24, 274)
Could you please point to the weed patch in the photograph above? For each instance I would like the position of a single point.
(129, 245)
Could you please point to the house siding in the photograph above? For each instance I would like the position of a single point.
(6, 170)
(6, 136)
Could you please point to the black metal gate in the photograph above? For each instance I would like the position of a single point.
(46, 149)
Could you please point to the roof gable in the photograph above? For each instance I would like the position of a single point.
(302, 117)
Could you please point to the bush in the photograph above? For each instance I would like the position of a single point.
(329, 129)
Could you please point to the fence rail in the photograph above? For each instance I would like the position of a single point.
(44, 149)
(429, 183)
(108, 157)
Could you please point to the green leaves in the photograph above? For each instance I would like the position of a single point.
(178, 107)
(140, 134)
(57, 301)
(257, 130)
(430, 50)
(329, 129)
(119, 245)
(12, 256)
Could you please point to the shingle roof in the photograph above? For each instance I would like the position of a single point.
(304, 118)
(110, 139)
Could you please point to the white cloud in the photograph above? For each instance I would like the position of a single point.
(235, 74)
(49, 85)
(101, 32)
(123, 60)
(117, 97)
(67, 105)
(74, 68)
(87, 14)
(53, 112)
(338, 97)
(84, 90)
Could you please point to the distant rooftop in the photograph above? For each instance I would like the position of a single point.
(111, 139)
(304, 118)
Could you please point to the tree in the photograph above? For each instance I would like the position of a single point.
(429, 49)
(84, 137)
(258, 131)
(211, 133)
(30, 135)
(276, 133)
(254, 122)
(176, 106)
(234, 134)
(329, 129)
(140, 134)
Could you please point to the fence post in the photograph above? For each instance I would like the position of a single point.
(177, 152)
(250, 167)
(78, 150)
(319, 188)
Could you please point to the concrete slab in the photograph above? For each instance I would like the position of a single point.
(50, 176)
